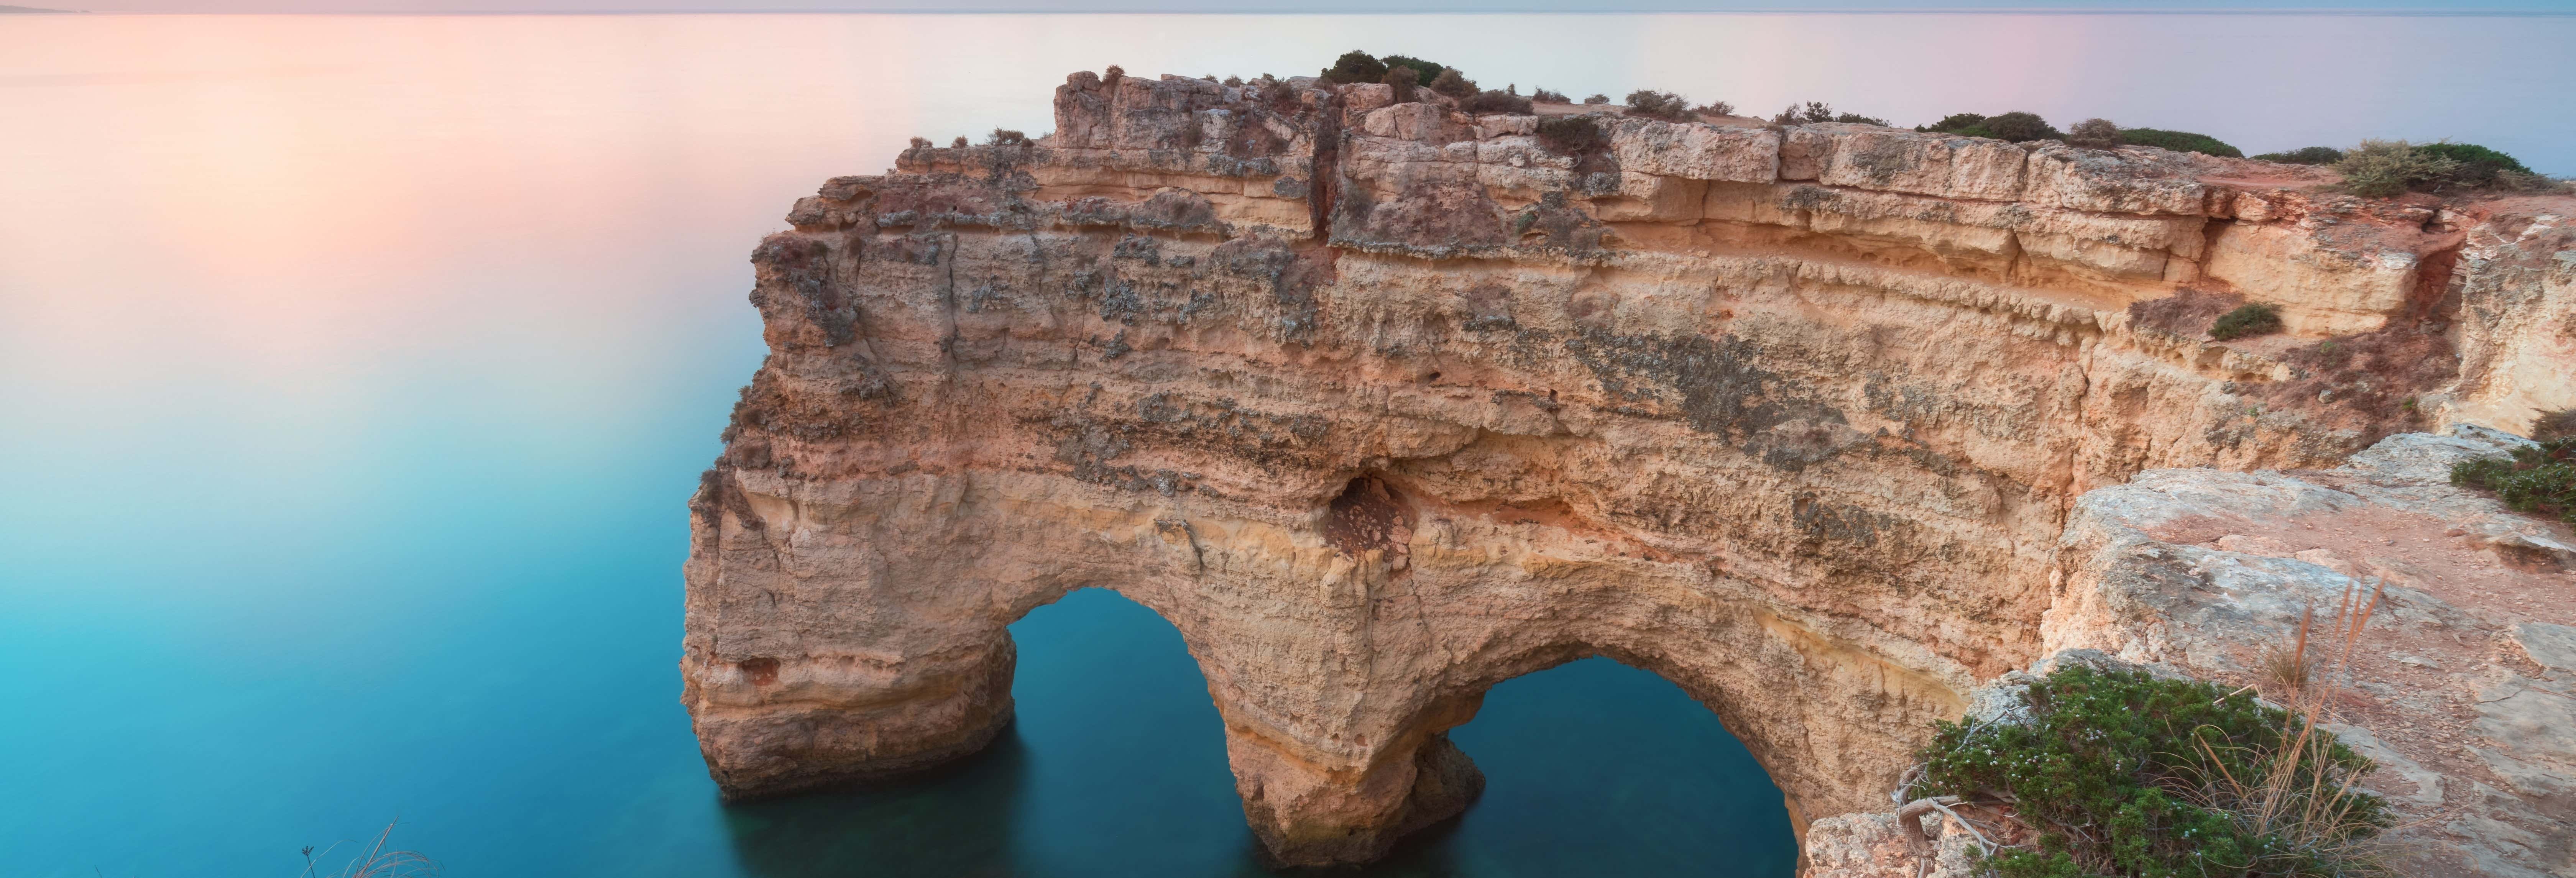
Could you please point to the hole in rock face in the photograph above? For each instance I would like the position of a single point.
(1368, 515)
(763, 671)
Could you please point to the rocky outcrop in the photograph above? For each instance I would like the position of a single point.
(1382, 404)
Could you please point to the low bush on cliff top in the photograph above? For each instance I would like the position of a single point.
(2251, 318)
(2305, 155)
(2125, 774)
(1659, 105)
(2015, 126)
(1819, 111)
(1496, 102)
(2385, 168)
(2536, 478)
(1423, 71)
(2179, 141)
(2382, 168)
(1571, 135)
(1355, 66)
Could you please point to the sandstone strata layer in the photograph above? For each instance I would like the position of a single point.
(1381, 405)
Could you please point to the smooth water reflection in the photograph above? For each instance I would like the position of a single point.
(354, 371)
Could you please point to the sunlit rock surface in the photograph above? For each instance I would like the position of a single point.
(1381, 404)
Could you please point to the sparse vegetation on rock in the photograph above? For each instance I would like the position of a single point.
(1659, 105)
(1819, 111)
(2178, 141)
(1716, 108)
(2538, 478)
(2478, 166)
(1597, 99)
(2094, 134)
(1423, 71)
(2016, 126)
(1571, 135)
(2124, 773)
(2251, 318)
(1495, 102)
(1402, 79)
(1355, 66)
(1545, 96)
(2305, 155)
(1450, 82)
(2384, 168)
(1006, 137)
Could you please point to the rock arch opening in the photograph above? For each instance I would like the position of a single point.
(1584, 759)
(1127, 765)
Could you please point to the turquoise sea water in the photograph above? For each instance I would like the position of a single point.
(354, 371)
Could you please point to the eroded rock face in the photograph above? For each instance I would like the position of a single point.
(1381, 405)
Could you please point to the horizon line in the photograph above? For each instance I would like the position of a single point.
(2434, 12)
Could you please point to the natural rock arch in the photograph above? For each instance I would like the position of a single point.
(1378, 404)
(1338, 672)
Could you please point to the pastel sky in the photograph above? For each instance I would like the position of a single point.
(1296, 6)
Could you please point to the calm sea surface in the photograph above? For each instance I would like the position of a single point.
(354, 370)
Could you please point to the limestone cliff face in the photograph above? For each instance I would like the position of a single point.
(1381, 405)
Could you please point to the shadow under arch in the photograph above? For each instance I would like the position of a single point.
(1114, 764)
(1597, 767)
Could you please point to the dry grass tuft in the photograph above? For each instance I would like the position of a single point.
(376, 861)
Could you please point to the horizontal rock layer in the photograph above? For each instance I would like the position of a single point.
(1381, 404)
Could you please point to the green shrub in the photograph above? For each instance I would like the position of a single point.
(2305, 155)
(1570, 135)
(2014, 126)
(1545, 96)
(1659, 105)
(2178, 141)
(1006, 137)
(2094, 134)
(1450, 82)
(1402, 79)
(1716, 108)
(2019, 126)
(1423, 71)
(1355, 66)
(2478, 165)
(1597, 99)
(2384, 168)
(2537, 478)
(1496, 102)
(1819, 111)
(1955, 123)
(2251, 318)
(2126, 774)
